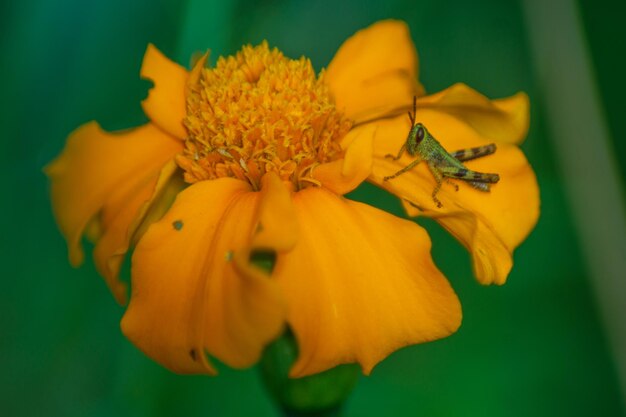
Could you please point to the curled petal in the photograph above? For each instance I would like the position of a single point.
(503, 120)
(188, 296)
(112, 173)
(276, 226)
(115, 221)
(169, 183)
(374, 72)
(345, 174)
(196, 71)
(165, 104)
(490, 224)
(119, 221)
(360, 284)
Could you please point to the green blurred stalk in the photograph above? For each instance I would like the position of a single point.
(587, 161)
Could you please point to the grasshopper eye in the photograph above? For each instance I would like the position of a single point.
(420, 133)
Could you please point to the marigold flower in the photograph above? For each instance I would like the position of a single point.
(256, 154)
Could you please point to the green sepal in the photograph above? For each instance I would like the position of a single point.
(322, 394)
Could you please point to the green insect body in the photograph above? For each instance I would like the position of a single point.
(443, 165)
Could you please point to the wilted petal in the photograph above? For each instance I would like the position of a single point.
(111, 172)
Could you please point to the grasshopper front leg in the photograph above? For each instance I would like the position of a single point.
(400, 152)
(403, 170)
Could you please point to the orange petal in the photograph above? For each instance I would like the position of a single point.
(117, 216)
(120, 218)
(504, 120)
(276, 227)
(490, 224)
(344, 175)
(374, 72)
(187, 296)
(100, 170)
(165, 104)
(360, 284)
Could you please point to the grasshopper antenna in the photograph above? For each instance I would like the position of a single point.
(412, 115)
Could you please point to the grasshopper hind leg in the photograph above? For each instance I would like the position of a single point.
(473, 153)
(478, 180)
(482, 186)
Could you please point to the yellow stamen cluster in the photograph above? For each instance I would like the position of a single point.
(259, 112)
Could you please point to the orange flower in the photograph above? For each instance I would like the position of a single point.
(266, 150)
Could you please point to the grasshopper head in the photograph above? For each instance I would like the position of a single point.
(417, 134)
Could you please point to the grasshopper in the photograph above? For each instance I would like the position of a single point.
(443, 165)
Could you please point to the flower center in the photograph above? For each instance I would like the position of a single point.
(259, 112)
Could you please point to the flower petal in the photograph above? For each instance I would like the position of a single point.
(490, 224)
(119, 221)
(344, 175)
(99, 170)
(503, 120)
(187, 296)
(276, 227)
(169, 184)
(374, 72)
(123, 207)
(360, 284)
(165, 104)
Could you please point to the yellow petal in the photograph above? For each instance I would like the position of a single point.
(374, 72)
(165, 104)
(99, 170)
(503, 120)
(345, 174)
(187, 295)
(360, 284)
(490, 224)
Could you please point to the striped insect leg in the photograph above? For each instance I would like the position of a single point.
(469, 175)
(473, 153)
(403, 170)
(485, 177)
(482, 186)
(400, 152)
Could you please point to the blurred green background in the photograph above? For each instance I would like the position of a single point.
(534, 347)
